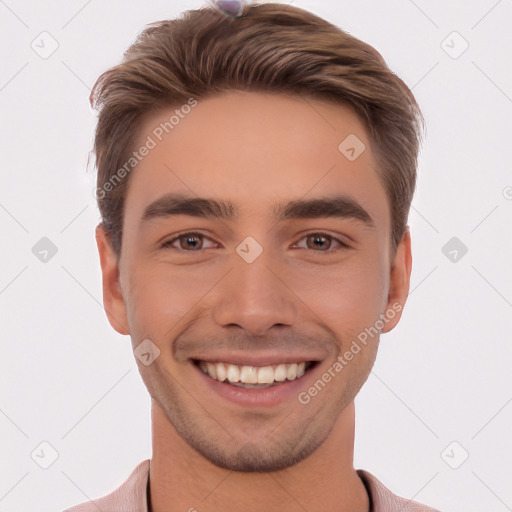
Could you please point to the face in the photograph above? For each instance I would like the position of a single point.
(271, 284)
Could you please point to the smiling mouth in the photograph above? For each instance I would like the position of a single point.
(254, 376)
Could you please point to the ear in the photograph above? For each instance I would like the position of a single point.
(113, 300)
(399, 281)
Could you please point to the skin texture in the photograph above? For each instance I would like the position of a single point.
(254, 149)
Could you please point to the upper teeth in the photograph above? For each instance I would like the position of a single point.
(253, 374)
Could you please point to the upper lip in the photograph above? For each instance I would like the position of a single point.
(256, 360)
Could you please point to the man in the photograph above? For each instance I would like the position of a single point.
(255, 171)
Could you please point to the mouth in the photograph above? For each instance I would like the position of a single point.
(252, 376)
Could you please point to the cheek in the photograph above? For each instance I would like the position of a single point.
(151, 301)
(347, 297)
(161, 298)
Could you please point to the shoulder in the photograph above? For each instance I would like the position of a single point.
(129, 497)
(383, 500)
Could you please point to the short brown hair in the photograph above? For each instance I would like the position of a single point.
(271, 47)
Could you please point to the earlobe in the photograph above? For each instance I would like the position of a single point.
(113, 300)
(399, 281)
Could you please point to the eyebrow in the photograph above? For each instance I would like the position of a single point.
(340, 206)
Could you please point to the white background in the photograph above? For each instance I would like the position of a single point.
(442, 375)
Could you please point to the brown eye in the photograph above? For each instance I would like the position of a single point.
(319, 242)
(322, 242)
(190, 242)
(187, 242)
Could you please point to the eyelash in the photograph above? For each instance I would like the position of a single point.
(167, 245)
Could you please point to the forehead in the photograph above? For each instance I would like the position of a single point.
(255, 150)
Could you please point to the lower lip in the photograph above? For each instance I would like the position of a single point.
(258, 397)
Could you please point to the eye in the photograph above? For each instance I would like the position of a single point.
(193, 242)
(321, 241)
(188, 242)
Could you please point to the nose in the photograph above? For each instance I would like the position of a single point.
(254, 296)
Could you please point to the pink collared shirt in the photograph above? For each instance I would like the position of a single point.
(131, 496)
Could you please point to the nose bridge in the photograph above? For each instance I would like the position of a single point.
(253, 295)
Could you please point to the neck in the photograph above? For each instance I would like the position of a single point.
(183, 479)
